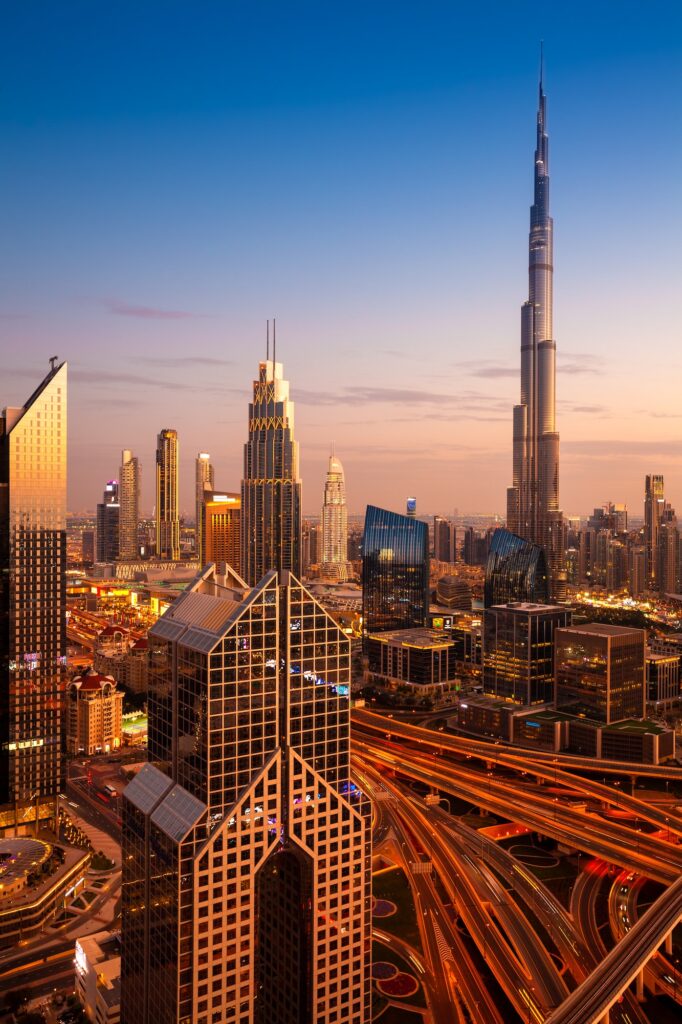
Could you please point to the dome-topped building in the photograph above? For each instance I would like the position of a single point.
(94, 709)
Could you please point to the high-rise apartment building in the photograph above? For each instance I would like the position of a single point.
(107, 524)
(516, 570)
(668, 552)
(335, 523)
(203, 481)
(129, 500)
(271, 488)
(32, 600)
(221, 528)
(600, 673)
(167, 496)
(395, 571)
(518, 651)
(246, 844)
(654, 502)
(533, 499)
(444, 540)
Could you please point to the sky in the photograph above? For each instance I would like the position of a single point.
(174, 174)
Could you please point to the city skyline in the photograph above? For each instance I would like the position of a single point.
(411, 287)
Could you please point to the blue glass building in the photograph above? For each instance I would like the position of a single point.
(395, 571)
(516, 571)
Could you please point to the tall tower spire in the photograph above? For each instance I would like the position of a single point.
(533, 499)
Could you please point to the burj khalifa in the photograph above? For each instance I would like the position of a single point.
(533, 500)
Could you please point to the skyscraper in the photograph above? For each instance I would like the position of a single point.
(335, 523)
(395, 571)
(246, 845)
(107, 530)
(654, 501)
(668, 553)
(203, 481)
(444, 540)
(271, 488)
(533, 499)
(167, 487)
(129, 500)
(32, 599)
(516, 570)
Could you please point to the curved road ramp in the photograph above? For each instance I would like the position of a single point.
(591, 1001)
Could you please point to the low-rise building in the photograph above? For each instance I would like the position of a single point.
(421, 657)
(662, 679)
(94, 707)
(98, 977)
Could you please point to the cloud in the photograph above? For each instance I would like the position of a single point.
(609, 449)
(486, 368)
(183, 361)
(360, 396)
(573, 363)
(589, 408)
(117, 308)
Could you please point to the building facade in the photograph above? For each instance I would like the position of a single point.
(97, 964)
(129, 500)
(426, 659)
(107, 524)
(599, 672)
(662, 679)
(203, 482)
(246, 845)
(32, 599)
(271, 487)
(516, 570)
(221, 529)
(444, 540)
(167, 496)
(335, 523)
(518, 651)
(94, 709)
(395, 571)
(654, 501)
(533, 499)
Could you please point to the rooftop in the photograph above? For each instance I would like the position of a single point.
(603, 629)
(421, 637)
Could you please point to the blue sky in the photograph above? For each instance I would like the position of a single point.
(174, 173)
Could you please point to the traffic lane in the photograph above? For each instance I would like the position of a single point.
(476, 996)
(647, 854)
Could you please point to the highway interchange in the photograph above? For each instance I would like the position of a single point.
(551, 962)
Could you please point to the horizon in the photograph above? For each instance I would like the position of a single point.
(383, 218)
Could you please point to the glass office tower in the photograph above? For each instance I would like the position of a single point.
(107, 539)
(518, 651)
(271, 487)
(246, 845)
(516, 570)
(32, 600)
(600, 672)
(395, 571)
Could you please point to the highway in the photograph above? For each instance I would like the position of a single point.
(577, 829)
(367, 723)
(520, 962)
(593, 999)
(453, 975)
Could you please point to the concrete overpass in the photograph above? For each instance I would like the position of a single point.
(591, 1002)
